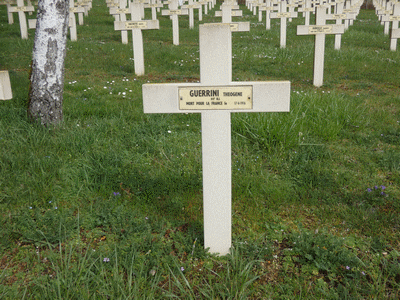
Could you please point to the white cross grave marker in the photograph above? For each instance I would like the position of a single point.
(120, 15)
(319, 30)
(230, 12)
(191, 6)
(349, 8)
(174, 12)
(137, 25)
(154, 6)
(8, 3)
(205, 4)
(22, 9)
(72, 19)
(339, 16)
(395, 31)
(306, 9)
(227, 12)
(268, 7)
(283, 15)
(5, 86)
(87, 4)
(216, 97)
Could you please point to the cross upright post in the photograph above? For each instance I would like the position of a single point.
(5, 86)
(216, 97)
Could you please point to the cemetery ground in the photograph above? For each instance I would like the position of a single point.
(109, 205)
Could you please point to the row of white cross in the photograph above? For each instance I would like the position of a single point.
(120, 10)
(320, 29)
(81, 8)
(389, 12)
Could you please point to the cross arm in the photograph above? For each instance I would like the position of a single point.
(118, 10)
(316, 29)
(170, 12)
(270, 96)
(390, 18)
(150, 5)
(195, 5)
(144, 24)
(344, 16)
(240, 26)
(77, 9)
(234, 13)
(21, 8)
(277, 15)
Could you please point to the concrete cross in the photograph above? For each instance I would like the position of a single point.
(154, 6)
(339, 16)
(216, 97)
(268, 8)
(174, 12)
(395, 31)
(5, 86)
(137, 25)
(283, 15)
(191, 7)
(319, 30)
(22, 9)
(8, 3)
(87, 4)
(351, 7)
(226, 13)
(120, 13)
(72, 19)
(306, 9)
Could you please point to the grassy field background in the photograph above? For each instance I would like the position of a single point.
(109, 205)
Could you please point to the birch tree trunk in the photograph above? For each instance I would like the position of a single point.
(49, 49)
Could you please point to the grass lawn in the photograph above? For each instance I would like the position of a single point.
(109, 204)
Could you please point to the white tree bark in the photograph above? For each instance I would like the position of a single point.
(47, 78)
